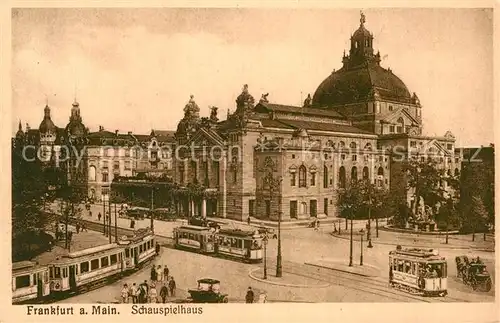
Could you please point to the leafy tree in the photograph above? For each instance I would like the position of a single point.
(425, 179)
(29, 193)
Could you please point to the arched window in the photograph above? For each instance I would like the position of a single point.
(457, 172)
(341, 145)
(380, 180)
(366, 173)
(354, 174)
(401, 125)
(92, 173)
(353, 145)
(325, 176)
(368, 146)
(302, 176)
(342, 177)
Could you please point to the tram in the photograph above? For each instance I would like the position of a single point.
(244, 245)
(139, 248)
(78, 271)
(30, 281)
(196, 238)
(418, 271)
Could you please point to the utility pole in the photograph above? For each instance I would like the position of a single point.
(109, 217)
(66, 211)
(152, 208)
(361, 256)
(116, 226)
(369, 233)
(104, 214)
(265, 256)
(350, 241)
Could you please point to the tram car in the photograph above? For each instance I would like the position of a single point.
(241, 244)
(195, 238)
(418, 271)
(30, 282)
(81, 270)
(139, 248)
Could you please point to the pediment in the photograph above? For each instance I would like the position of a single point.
(433, 146)
(393, 117)
(204, 137)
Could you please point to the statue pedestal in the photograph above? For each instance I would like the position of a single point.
(415, 228)
(427, 227)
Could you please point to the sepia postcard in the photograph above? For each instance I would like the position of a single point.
(249, 162)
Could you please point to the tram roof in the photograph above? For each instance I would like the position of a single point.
(194, 227)
(22, 266)
(68, 260)
(237, 232)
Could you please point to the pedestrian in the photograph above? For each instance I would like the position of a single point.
(99, 216)
(248, 220)
(171, 286)
(132, 224)
(152, 294)
(249, 297)
(70, 236)
(159, 274)
(77, 226)
(165, 273)
(164, 292)
(144, 291)
(124, 294)
(133, 293)
(90, 213)
(157, 248)
(153, 273)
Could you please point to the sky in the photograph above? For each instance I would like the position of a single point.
(135, 69)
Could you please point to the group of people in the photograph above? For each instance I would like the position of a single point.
(162, 285)
(80, 227)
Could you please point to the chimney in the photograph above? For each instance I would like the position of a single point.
(129, 133)
(116, 132)
(101, 128)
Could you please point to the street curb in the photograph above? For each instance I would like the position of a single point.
(423, 247)
(251, 271)
(409, 231)
(337, 269)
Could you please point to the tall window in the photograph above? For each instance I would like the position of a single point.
(216, 170)
(205, 172)
(293, 179)
(194, 169)
(401, 125)
(105, 177)
(342, 177)
(354, 174)
(380, 173)
(302, 176)
(92, 173)
(366, 173)
(313, 179)
(325, 176)
(181, 174)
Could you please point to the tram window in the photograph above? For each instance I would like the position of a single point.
(239, 243)
(246, 244)
(22, 281)
(104, 262)
(444, 273)
(149, 244)
(35, 281)
(120, 256)
(140, 248)
(400, 265)
(127, 253)
(94, 264)
(84, 267)
(51, 272)
(152, 243)
(395, 264)
(415, 269)
(57, 272)
(65, 272)
(45, 277)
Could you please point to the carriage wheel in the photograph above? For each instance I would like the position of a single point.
(474, 283)
(486, 285)
(225, 300)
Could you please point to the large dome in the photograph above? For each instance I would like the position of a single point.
(351, 85)
(47, 125)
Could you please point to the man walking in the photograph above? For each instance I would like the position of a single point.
(164, 293)
(250, 296)
(99, 216)
(171, 286)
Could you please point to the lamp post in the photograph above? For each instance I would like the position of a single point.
(350, 242)
(265, 255)
(104, 213)
(369, 229)
(361, 256)
(279, 272)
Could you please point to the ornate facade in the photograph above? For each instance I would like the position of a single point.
(362, 122)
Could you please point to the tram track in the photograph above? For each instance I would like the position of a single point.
(373, 285)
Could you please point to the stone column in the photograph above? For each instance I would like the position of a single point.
(371, 169)
(186, 180)
(223, 186)
(192, 207)
(204, 208)
(335, 171)
(208, 170)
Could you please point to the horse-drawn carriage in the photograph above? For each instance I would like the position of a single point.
(473, 272)
(208, 291)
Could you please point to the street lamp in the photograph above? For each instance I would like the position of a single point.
(361, 256)
(265, 255)
(369, 229)
(350, 242)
